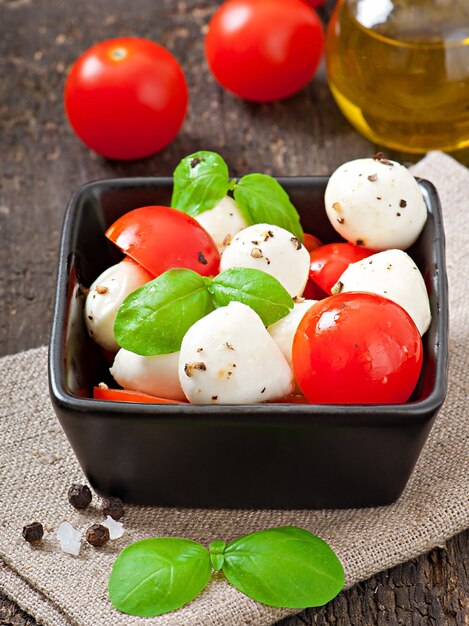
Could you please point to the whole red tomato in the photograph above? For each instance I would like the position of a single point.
(126, 98)
(330, 261)
(264, 50)
(160, 238)
(357, 348)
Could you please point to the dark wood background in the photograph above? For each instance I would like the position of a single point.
(42, 163)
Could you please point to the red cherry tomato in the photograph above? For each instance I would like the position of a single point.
(160, 238)
(329, 262)
(126, 395)
(264, 50)
(126, 98)
(312, 291)
(357, 348)
(315, 3)
(311, 242)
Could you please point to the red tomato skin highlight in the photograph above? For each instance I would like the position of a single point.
(264, 50)
(357, 348)
(330, 261)
(160, 238)
(126, 98)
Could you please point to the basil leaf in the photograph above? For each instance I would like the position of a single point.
(261, 291)
(155, 576)
(154, 318)
(284, 567)
(265, 200)
(200, 182)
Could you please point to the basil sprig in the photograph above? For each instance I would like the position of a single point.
(201, 180)
(154, 318)
(282, 567)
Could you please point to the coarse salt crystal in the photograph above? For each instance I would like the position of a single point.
(116, 529)
(69, 538)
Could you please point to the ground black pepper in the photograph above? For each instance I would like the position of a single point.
(113, 507)
(33, 533)
(79, 496)
(97, 535)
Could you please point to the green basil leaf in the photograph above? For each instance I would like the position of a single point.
(155, 576)
(265, 200)
(261, 291)
(200, 182)
(154, 318)
(284, 567)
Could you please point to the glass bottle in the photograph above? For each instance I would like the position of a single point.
(399, 71)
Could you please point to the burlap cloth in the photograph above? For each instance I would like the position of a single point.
(37, 466)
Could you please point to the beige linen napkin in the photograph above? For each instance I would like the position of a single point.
(37, 466)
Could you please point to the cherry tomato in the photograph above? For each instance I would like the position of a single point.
(329, 262)
(311, 242)
(357, 348)
(264, 50)
(160, 238)
(315, 3)
(312, 291)
(126, 98)
(126, 395)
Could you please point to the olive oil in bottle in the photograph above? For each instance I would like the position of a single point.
(399, 71)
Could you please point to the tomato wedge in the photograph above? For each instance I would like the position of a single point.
(160, 238)
(330, 261)
(127, 395)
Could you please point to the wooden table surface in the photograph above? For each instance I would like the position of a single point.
(42, 163)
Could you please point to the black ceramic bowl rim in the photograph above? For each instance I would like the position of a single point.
(346, 413)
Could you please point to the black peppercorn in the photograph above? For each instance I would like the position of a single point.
(33, 533)
(79, 496)
(113, 507)
(97, 535)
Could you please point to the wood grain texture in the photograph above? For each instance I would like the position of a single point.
(42, 163)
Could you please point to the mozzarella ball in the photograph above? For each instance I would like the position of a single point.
(283, 331)
(223, 221)
(394, 275)
(375, 203)
(228, 357)
(273, 250)
(156, 375)
(106, 295)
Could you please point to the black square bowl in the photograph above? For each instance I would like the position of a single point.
(295, 456)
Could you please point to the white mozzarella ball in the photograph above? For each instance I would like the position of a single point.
(223, 221)
(106, 295)
(375, 203)
(283, 331)
(156, 375)
(394, 275)
(273, 250)
(228, 357)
